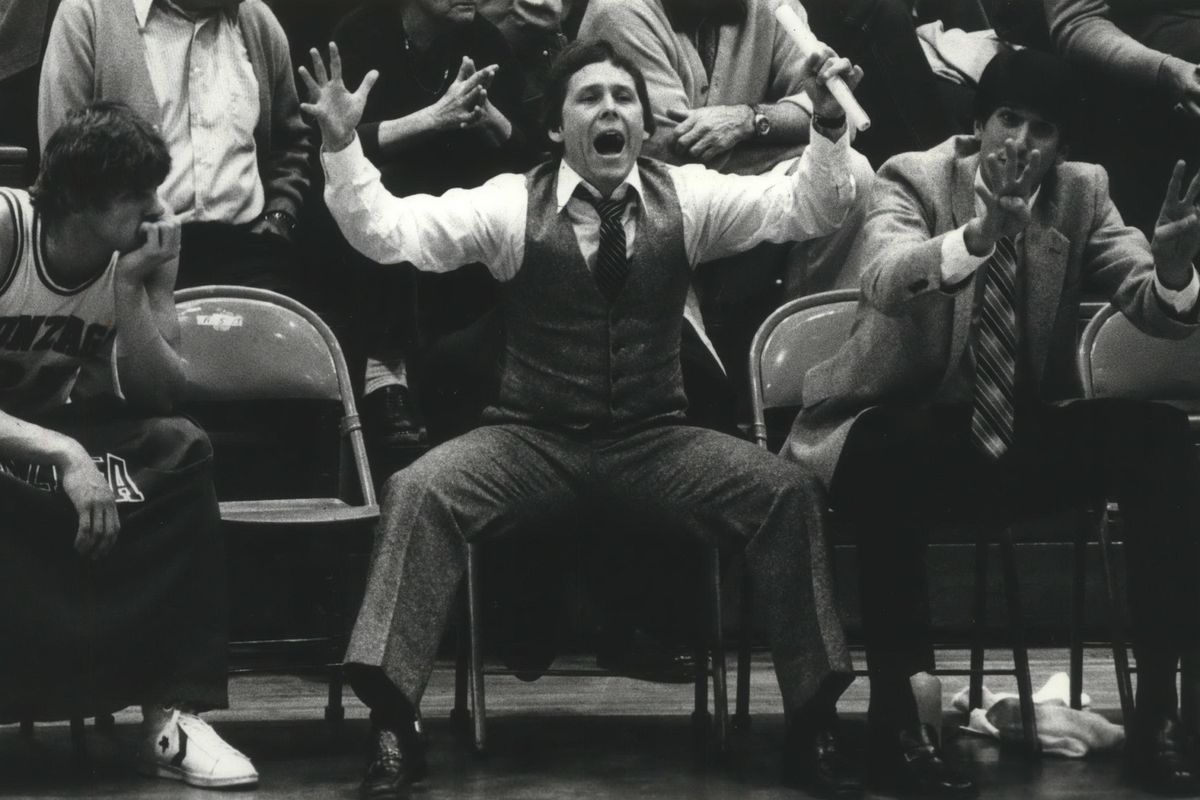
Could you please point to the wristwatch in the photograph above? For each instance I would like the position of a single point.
(762, 123)
(283, 218)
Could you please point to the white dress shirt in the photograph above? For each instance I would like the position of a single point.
(958, 263)
(206, 87)
(722, 214)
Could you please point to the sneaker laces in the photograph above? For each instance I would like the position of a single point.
(203, 734)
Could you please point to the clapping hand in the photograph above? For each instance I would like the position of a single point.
(1177, 232)
(336, 109)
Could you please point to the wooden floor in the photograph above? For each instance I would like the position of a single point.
(560, 737)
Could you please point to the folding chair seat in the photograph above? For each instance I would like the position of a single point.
(1117, 360)
(797, 336)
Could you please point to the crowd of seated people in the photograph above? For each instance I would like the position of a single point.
(554, 224)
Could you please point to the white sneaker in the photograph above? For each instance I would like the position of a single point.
(183, 747)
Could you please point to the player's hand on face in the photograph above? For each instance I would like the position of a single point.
(88, 490)
(159, 250)
(1007, 208)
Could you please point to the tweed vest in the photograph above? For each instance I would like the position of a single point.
(572, 360)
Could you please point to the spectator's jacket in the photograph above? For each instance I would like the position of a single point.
(95, 53)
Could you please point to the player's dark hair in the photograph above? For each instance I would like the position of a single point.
(101, 153)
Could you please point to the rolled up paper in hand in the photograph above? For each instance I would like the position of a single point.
(804, 39)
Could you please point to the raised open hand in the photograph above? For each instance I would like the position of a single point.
(1177, 232)
(336, 109)
(1008, 185)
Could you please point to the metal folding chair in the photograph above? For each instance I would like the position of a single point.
(797, 336)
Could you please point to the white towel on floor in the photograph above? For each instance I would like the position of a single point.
(1062, 730)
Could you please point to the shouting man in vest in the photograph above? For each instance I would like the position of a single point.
(595, 252)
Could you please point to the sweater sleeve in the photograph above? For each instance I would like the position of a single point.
(69, 68)
(286, 166)
(1084, 33)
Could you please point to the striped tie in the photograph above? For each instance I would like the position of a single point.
(612, 266)
(996, 354)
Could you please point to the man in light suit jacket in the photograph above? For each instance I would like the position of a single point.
(952, 399)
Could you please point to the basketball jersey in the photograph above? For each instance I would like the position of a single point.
(48, 333)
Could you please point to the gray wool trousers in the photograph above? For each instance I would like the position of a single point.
(499, 478)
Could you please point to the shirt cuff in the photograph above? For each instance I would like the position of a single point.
(346, 165)
(831, 159)
(1182, 301)
(957, 262)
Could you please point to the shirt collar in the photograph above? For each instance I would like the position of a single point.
(980, 186)
(142, 8)
(568, 179)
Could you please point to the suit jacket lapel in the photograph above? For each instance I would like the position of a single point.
(1043, 252)
(962, 211)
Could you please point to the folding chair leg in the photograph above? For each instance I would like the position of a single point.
(335, 712)
(741, 717)
(700, 718)
(27, 727)
(78, 742)
(720, 696)
(978, 623)
(1078, 606)
(1016, 622)
(476, 623)
(1117, 626)
(460, 715)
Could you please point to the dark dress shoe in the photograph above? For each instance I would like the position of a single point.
(395, 764)
(910, 763)
(1159, 760)
(391, 417)
(817, 764)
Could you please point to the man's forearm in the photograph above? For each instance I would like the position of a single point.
(148, 364)
(789, 123)
(25, 441)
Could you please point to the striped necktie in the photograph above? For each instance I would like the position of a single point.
(612, 266)
(996, 354)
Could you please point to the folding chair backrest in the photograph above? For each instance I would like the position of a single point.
(798, 335)
(1118, 360)
(244, 344)
(14, 166)
(248, 348)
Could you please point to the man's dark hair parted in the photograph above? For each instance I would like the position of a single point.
(1030, 79)
(101, 153)
(575, 57)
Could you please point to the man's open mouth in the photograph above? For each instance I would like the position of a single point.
(609, 143)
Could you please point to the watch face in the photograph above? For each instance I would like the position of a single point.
(762, 125)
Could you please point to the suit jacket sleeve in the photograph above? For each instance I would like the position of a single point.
(1117, 263)
(286, 166)
(901, 255)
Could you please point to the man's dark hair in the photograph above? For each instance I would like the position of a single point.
(575, 57)
(1030, 79)
(101, 153)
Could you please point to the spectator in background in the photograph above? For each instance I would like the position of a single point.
(445, 113)
(216, 78)
(533, 30)
(23, 30)
(1140, 61)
